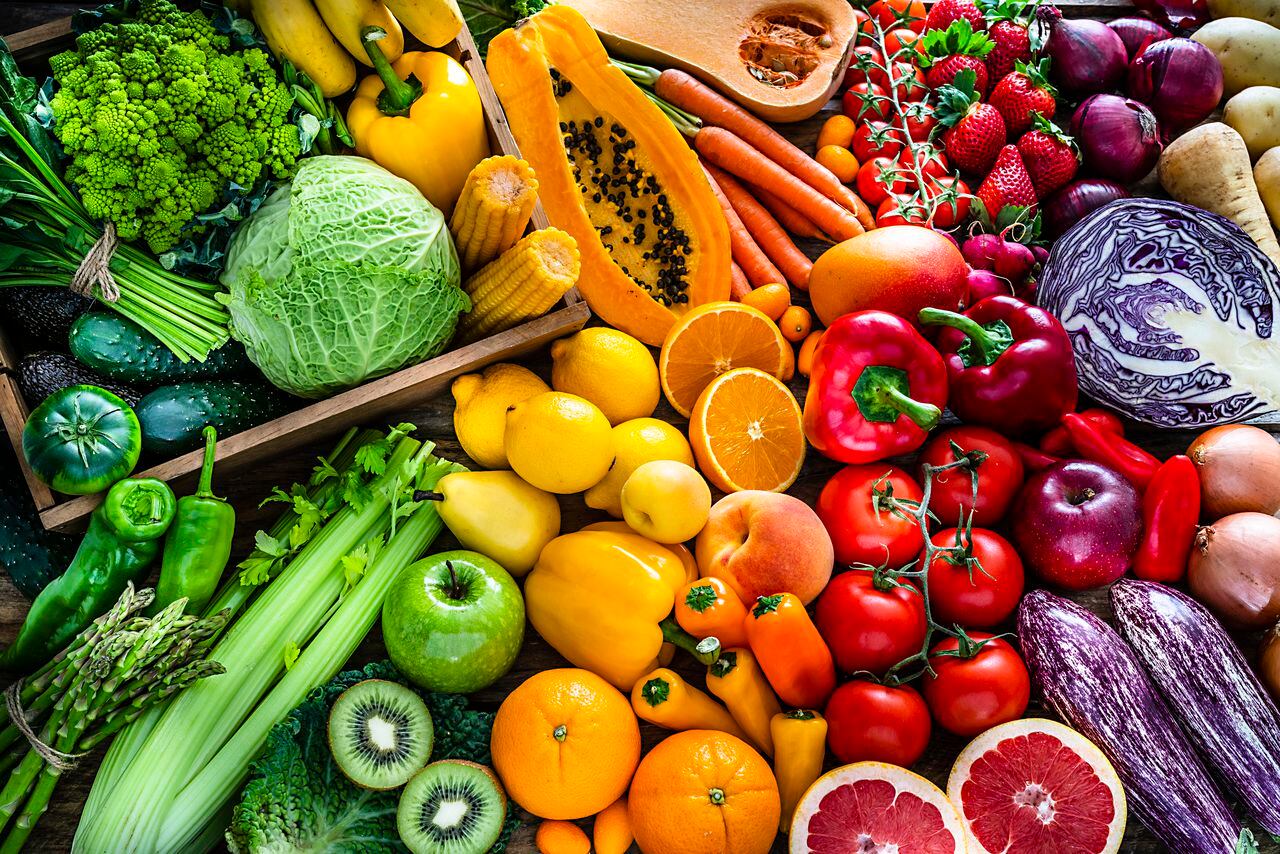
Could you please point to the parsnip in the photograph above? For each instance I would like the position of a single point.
(1266, 174)
(1249, 51)
(1208, 166)
(1255, 115)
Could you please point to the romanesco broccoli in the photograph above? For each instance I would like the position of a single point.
(161, 118)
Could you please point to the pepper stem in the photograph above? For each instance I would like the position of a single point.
(882, 395)
(397, 95)
(987, 342)
(706, 651)
(205, 488)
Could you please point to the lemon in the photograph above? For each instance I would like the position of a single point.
(636, 442)
(559, 442)
(480, 417)
(609, 368)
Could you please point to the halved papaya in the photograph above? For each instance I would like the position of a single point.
(614, 173)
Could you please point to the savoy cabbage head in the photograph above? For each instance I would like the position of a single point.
(345, 274)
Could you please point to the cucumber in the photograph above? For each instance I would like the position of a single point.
(173, 416)
(30, 555)
(118, 348)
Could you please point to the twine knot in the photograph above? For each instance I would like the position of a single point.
(95, 268)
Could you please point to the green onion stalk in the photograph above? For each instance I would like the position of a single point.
(113, 672)
(166, 789)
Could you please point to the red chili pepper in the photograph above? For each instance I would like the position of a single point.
(1009, 365)
(1034, 459)
(1170, 511)
(1058, 442)
(875, 390)
(1113, 451)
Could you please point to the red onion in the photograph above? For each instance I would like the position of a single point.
(1180, 79)
(1136, 33)
(1076, 201)
(1118, 137)
(1087, 55)
(1176, 14)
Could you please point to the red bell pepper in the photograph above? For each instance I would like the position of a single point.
(1101, 446)
(876, 389)
(1057, 441)
(1170, 511)
(1009, 365)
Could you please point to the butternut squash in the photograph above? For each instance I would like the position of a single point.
(782, 61)
(614, 173)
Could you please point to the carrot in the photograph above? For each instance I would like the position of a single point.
(692, 95)
(739, 287)
(788, 217)
(746, 254)
(769, 236)
(733, 154)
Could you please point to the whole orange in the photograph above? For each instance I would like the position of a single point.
(704, 792)
(899, 269)
(565, 744)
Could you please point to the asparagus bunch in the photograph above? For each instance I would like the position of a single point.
(107, 677)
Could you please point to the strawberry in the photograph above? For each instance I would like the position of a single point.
(974, 130)
(1007, 26)
(948, 52)
(946, 11)
(1049, 156)
(944, 72)
(1023, 92)
(1006, 184)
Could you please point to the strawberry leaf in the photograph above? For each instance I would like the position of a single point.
(955, 98)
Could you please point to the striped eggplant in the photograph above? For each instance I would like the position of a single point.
(1093, 681)
(1222, 706)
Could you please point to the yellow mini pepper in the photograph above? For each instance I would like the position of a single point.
(603, 600)
(662, 697)
(736, 678)
(799, 745)
(421, 119)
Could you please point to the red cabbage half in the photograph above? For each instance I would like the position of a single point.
(1171, 312)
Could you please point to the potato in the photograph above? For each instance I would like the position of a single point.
(1255, 115)
(1249, 51)
(1266, 174)
(1267, 11)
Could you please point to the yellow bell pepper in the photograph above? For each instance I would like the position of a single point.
(799, 745)
(603, 600)
(421, 119)
(663, 698)
(736, 678)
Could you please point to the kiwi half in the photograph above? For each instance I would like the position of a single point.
(451, 807)
(380, 733)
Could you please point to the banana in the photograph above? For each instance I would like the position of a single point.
(434, 22)
(346, 18)
(295, 31)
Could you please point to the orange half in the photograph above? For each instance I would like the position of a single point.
(747, 433)
(714, 338)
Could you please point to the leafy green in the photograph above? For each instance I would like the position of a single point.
(297, 800)
(344, 275)
(487, 18)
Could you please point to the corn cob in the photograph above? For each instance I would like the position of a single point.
(493, 210)
(523, 283)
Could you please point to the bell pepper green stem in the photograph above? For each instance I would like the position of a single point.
(989, 342)
(706, 651)
(924, 415)
(204, 489)
(397, 95)
(882, 395)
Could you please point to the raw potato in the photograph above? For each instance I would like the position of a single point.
(1267, 175)
(1249, 51)
(1208, 167)
(1259, 10)
(1255, 115)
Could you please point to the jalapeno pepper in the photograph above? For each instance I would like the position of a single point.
(198, 545)
(1170, 511)
(122, 541)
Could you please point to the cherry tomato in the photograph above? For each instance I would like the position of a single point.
(874, 139)
(866, 29)
(908, 81)
(870, 722)
(980, 588)
(931, 162)
(951, 199)
(971, 695)
(880, 178)
(870, 624)
(901, 209)
(1000, 475)
(863, 101)
(920, 120)
(899, 13)
(848, 507)
(866, 65)
(901, 39)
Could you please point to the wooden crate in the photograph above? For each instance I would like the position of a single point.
(369, 403)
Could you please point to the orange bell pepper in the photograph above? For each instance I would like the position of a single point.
(792, 654)
(709, 608)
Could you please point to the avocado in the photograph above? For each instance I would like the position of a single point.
(38, 317)
(41, 374)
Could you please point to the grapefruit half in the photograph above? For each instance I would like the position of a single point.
(875, 807)
(1034, 785)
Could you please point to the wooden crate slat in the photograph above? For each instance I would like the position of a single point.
(13, 414)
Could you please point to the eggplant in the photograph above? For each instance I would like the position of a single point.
(1220, 703)
(1093, 680)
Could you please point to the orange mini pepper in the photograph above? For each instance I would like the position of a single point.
(709, 608)
(792, 654)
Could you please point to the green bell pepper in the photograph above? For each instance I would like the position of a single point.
(81, 440)
(122, 541)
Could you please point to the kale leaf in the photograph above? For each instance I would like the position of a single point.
(487, 18)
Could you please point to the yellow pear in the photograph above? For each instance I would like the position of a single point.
(499, 515)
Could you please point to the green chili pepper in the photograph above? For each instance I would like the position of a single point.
(199, 542)
(122, 541)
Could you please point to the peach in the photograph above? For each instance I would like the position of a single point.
(761, 543)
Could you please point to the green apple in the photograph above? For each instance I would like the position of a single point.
(453, 622)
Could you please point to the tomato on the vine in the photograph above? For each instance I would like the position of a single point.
(899, 13)
(931, 162)
(870, 621)
(874, 139)
(879, 178)
(951, 200)
(901, 209)
(866, 65)
(908, 81)
(980, 587)
(920, 120)
(855, 508)
(863, 101)
(970, 695)
(1000, 475)
(866, 28)
(899, 39)
(881, 723)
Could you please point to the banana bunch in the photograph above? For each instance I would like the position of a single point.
(323, 38)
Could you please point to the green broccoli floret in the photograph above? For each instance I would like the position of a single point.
(161, 119)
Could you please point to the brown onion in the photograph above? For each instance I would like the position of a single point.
(1235, 569)
(1239, 470)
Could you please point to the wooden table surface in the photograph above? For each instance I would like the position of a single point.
(434, 418)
